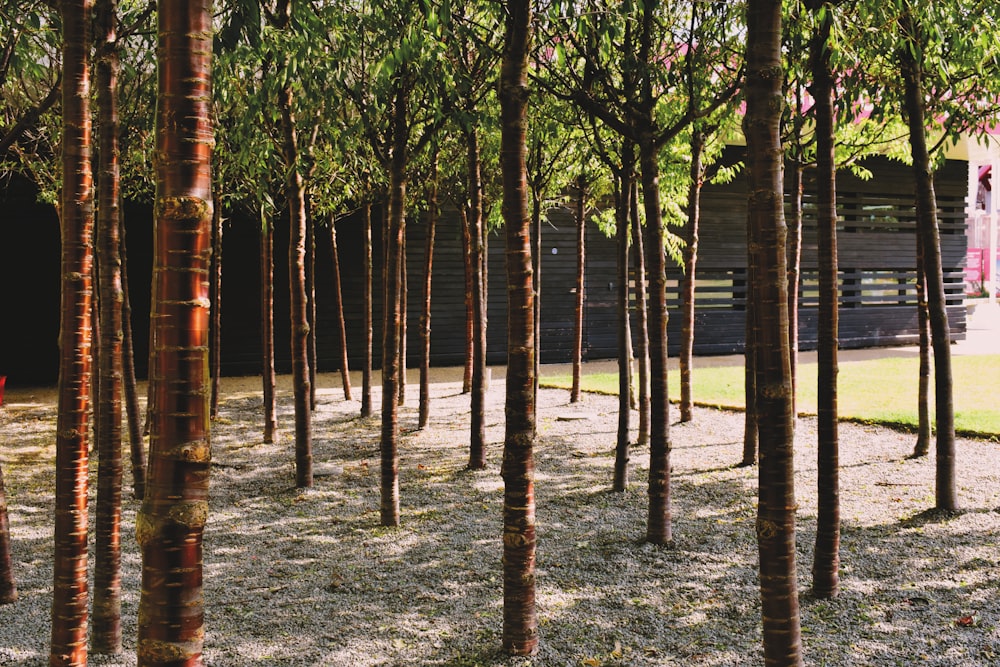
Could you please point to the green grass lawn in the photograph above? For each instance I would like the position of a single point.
(880, 390)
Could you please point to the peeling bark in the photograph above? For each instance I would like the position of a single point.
(76, 210)
(520, 620)
(171, 521)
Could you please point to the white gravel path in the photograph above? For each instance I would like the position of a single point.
(309, 578)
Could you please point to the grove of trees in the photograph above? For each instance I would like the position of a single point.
(500, 110)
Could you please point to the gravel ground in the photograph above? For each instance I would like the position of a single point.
(308, 577)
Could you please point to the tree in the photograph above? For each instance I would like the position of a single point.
(295, 196)
(581, 283)
(366, 369)
(8, 587)
(338, 301)
(215, 295)
(433, 213)
(826, 561)
(911, 65)
(769, 291)
(935, 54)
(398, 110)
(172, 518)
(520, 627)
(633, 102)
(267, 327)
(472, 54)
(690, 271)
(76, 212)
(549, 137)
(107, 633)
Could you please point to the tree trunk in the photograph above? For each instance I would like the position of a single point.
(470, 352)
(622, 204)
(581, 266)
(299, 302)
(107, 630)
(338, 303)
(137, 452)
(76, 210)
(750, 432)
(172, 518)
(795, 276)
(215, 294)
(658, 523)
(536, 278)
(477, 436)
(767, 260)
(391, 366)
(267, 327)
(404, 294)
(366, 296)
(690, 270)
(95, 337)
(826, 560)
(8, 588)
(311, 302)
(924, 431)
(641, 324)
(520, 620)
(946, 495)
(424, 410)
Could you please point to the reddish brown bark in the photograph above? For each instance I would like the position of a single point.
(581, 266)
(137, 453)
(469, 312)
(767, 260)
(826, 559)
(750, 433)
(106, 635)
(338, 304)
(623, 196)
(641, 324)
(8, 587)
(76, 209)
(215, 294)
(172, 518)
(945, 492)
(794, 274)
(297, 251)
(477, 254)
(267, 328)
(520, 620)
(658, 521)
(311, 352)
(924, 431)
(404, 292)
(536, 278)
(366, 296)
(690, 273)
(391, 366)
(424, 409)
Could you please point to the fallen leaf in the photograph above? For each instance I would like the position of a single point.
(967, 621)
(591, 662)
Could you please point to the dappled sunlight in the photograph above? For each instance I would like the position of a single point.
(310, 577)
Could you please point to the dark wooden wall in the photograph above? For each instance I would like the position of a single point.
(876, 250)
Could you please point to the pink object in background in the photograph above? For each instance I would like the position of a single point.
(3, 381)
